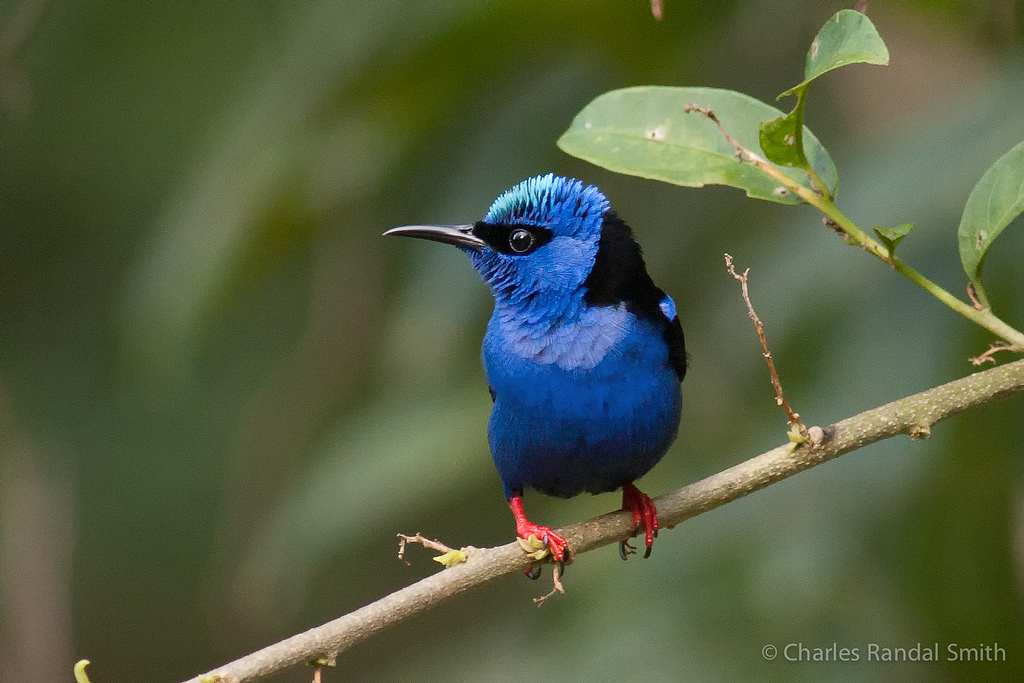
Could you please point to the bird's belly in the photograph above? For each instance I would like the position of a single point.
(567, 432)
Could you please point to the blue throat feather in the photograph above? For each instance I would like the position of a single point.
(583, 353)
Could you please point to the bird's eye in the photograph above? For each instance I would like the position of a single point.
(520, 240)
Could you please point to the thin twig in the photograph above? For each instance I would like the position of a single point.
(914, 414)
(972, 294)
(792, 417)
(422, 540)
(556, 574)
(995, 348)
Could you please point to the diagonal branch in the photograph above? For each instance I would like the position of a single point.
(913, 415)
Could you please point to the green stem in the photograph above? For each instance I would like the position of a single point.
(817, 182)
(983, 317)
(798, 134)
(855, 235)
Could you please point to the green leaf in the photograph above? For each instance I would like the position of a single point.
(849, 37)
(643, 131)
(782, 139)
(890, 237)
(994, 202)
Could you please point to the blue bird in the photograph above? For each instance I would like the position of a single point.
(583, 354)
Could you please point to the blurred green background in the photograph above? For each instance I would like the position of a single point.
(222, 393)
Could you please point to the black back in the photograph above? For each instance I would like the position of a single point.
(619, 276)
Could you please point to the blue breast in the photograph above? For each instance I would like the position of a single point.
(588, 405)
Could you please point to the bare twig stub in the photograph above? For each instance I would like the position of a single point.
(319, 664)
(404, 540)
(972, 294)
(556, 574)
(449, 557)
(792, 417)
(992, 350)
(657, 9)
(913, 414)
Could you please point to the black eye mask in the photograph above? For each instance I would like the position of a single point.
(515, 240)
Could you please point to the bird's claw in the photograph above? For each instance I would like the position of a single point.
(539, 549)
(533, 572)
(540, 541)
(645, 515)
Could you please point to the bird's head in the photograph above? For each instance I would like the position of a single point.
(538, 240)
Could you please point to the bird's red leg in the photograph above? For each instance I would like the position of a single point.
(644, 512)
(525, 528)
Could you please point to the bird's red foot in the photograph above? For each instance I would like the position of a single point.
(557, 545)
(644, 513)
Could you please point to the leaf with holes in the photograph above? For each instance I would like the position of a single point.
(644, 131)
(995, 201)
(848, 37)
(782, 139)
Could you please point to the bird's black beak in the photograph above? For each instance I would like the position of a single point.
(458, 235)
